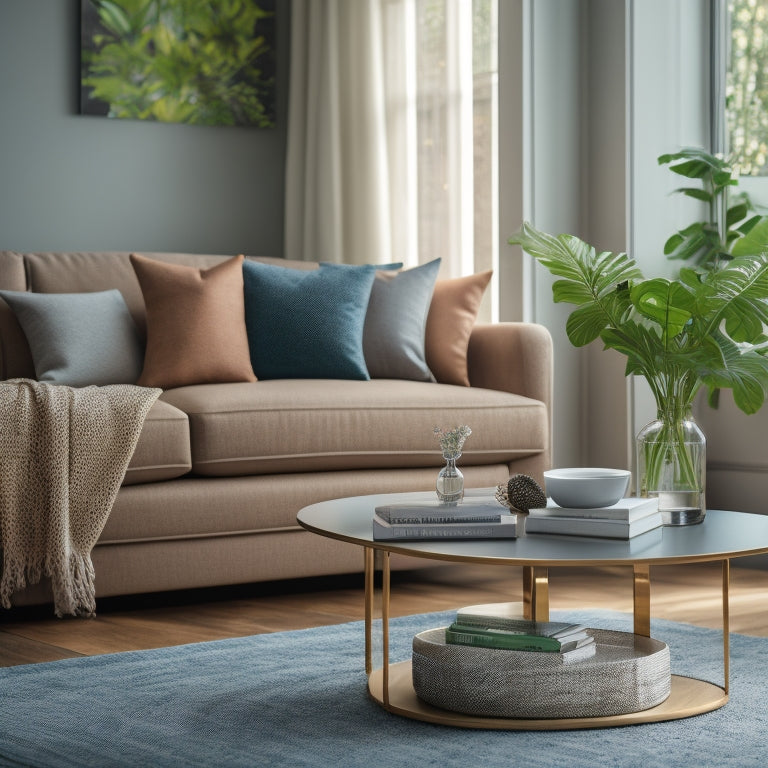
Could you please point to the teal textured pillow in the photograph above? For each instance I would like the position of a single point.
(79, 339)
(306, 324)
(396, 322)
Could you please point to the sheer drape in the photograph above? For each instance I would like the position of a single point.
(382, 151)
(339, 184)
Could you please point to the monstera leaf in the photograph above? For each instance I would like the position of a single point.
(669, 304)
(754, 242)
(744, 371)
(593, 281)
(740, 297)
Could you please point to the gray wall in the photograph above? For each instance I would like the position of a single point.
(556, 191)
(605, 428)
(74, 182)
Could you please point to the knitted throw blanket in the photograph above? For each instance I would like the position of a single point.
(63, 456)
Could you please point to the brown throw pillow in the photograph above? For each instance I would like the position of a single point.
(195, 323)
(452, 314)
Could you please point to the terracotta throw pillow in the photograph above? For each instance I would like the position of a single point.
(452, 314)
(195, 323)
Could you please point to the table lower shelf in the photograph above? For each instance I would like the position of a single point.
(688, 697)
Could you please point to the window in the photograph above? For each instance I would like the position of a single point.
(746, 90)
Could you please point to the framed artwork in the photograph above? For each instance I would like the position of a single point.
(179, 61)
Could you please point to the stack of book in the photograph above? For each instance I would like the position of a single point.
(624, 520)
(475, 518)
(572, 641)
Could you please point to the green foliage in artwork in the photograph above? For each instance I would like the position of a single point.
(181, 61)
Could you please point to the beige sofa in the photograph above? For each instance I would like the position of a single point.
(220, 471)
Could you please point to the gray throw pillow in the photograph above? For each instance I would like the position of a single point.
(396, 321)
(79, 339)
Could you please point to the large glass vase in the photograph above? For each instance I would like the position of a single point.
(672, 465)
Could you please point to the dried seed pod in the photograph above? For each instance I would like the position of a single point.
(522, 493)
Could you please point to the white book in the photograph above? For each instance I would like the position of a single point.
(629, 509)
(477, 509)
(506, 528)
(602, 528)
(579, 654)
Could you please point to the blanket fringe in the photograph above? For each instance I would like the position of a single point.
(74, 588)
(75, 593)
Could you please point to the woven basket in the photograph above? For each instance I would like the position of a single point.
(628, 673)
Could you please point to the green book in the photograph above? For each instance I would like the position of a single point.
(463, 634)
(559, 630)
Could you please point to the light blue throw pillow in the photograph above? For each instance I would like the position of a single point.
(306, 324)
(396, 322)
(79, 339)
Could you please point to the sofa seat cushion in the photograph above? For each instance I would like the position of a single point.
(206, 507)
(163, 451)
(299, 425)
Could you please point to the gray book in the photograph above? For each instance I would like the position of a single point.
(505, 528)
(475, 510)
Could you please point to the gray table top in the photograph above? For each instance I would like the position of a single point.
(722, 535)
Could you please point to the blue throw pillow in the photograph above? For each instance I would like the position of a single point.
(396, 322)
(79, 339)
(307, 324)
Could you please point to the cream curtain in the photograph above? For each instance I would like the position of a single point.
(380, 136)
(342, 171)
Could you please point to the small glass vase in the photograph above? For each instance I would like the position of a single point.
(450, 481)
(672, 465)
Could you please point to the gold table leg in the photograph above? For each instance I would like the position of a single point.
(726, 625)
(535, 593)
(369, 563)
(368, 554)
(642, 599)
(385, 627)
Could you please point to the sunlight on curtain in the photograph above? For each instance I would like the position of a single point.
(392, 136)
(457, 106)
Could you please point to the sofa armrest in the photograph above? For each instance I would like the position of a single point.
(512, 357)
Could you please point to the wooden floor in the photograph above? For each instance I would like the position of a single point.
(689, 593)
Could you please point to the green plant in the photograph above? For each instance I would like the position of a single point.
(732, 226)
(180, 61)
(701, 329)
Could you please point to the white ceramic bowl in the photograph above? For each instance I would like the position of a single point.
(585, 487)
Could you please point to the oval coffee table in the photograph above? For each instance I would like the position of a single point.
(723, 535)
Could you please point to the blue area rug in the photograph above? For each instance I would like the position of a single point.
(300, 699)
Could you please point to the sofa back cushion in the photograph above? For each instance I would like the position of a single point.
(80, 272)
(447, 330)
